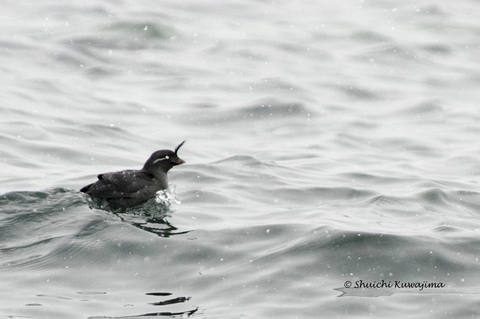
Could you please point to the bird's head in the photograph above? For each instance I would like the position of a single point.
(162, 161)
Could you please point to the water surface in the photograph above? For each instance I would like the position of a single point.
(326, 143)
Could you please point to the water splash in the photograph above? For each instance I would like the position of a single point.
(153, 215)
(166, 196)
(157, 207)
(161, 202)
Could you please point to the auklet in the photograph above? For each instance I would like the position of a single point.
(131, 188)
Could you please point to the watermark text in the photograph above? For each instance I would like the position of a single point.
(394, 284)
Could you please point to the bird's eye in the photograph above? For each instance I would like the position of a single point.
(167, 157)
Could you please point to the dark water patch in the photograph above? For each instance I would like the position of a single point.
(438, 200)
(24, 130)
(334, 109)
(366, 125)
(205, 105)
(359, 93)
(275, 85)
(369, 36)
(252, 55)
(391, 201)
(374, 178)
(91, 293)
(272, 109)
(425, 109)
(390, 52)
(8, 47)
(101, 72)
(97, 130)
(439, 49)
(267, 110)
(449, 229)
(432, 10)
(145, 29)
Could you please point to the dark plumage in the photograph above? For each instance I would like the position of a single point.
(131, 188)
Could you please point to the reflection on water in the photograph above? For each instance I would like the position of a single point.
(158, 225)
(166, 302)
(151, 216)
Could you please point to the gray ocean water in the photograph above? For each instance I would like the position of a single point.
(332, 158)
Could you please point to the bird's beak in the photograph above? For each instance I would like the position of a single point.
(179, 161)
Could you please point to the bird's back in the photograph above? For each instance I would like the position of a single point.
(124, 189)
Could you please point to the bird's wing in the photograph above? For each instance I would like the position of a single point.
(119, 184)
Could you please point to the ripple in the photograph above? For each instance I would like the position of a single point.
(26, 216)
(163, 303)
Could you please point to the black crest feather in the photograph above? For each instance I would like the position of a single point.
(176, 149)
